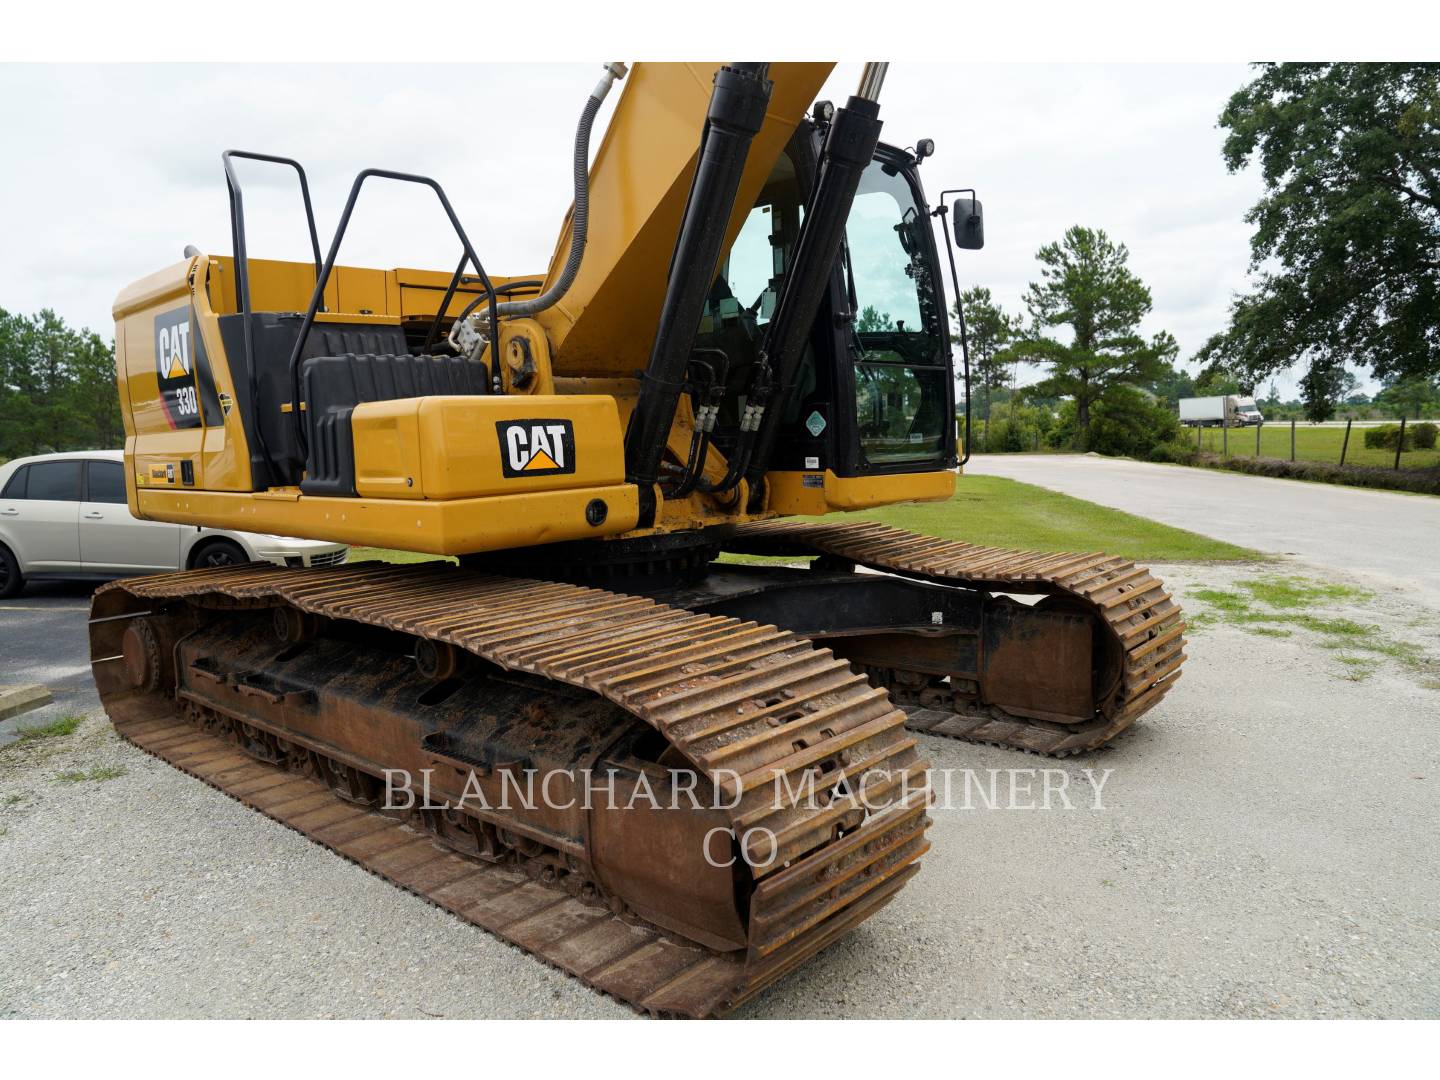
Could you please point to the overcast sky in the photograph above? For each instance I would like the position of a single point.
(119, 168)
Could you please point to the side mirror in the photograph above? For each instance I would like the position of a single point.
(969, 224)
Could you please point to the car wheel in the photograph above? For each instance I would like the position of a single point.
(11, 580)
(216, 553)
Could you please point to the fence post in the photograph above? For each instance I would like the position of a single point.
(1197, 436)
(1257, 438)
(1400, 444)
(1346, 443)
(1292, 438)
(1225, 438)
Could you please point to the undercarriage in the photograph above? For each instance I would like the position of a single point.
(675, 793)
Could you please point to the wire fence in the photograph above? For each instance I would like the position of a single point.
(1398, 447)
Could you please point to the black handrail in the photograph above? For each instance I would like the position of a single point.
(323, 278)
(242, 260)
(455, 280)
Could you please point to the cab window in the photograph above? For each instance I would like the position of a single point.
(902, 381)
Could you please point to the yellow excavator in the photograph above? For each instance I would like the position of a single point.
(615, 734)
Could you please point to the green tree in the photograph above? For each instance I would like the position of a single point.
(94, 396)
(1170, 384)
(1087, 286)
(1215, 377)
(1412, 398)
(57, 387)
(14, 403)
(1323, 387)
(988, 329)
(872, 320)
(1346, 247)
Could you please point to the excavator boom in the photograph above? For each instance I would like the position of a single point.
(604, 325)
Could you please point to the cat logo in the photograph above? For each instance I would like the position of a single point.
(174, 364)
(536, 447)
(172, 349)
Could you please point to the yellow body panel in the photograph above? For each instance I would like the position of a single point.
(816, 493)
(449, 527)
(354, 290)
(153, 447)
(449, 448)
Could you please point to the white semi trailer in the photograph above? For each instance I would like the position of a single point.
(1228, 410)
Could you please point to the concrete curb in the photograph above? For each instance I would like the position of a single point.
(15, 700)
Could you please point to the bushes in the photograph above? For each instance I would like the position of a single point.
(1010, 437)
(1177, 452)
(1125, 422)
(1424, 481)
(1014, 429)
(1387, 437)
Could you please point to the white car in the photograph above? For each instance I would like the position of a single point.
(64, 516)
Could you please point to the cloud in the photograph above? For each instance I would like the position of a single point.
(113, 169)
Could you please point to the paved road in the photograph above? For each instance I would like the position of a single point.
(43, 630)
(1381, 534)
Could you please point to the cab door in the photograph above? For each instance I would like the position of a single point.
(111, 539)
(40, 506)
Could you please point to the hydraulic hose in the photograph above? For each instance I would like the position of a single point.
(848, 152)
(580, 220)
(736, 113)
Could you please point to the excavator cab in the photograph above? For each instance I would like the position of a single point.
(875, 392)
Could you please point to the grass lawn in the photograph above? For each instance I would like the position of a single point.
(1279, 606)
(996, 512)
(365, 554)
(1311, 444)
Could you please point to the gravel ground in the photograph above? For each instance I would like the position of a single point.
(1263, 850)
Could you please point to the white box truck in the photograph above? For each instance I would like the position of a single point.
(1230, 410)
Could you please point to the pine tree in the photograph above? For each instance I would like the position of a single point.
(1087, 286)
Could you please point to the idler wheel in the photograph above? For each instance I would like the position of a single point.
(437, 660)
(293, 626)
(141, 649)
